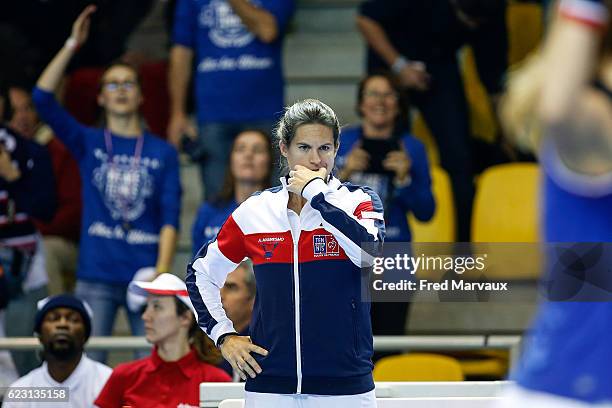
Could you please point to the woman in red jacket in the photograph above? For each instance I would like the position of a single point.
(182, 358)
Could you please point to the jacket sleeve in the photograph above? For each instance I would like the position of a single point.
(206, 276)
(356, 222)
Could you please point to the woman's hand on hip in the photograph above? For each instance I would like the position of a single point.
(237, 351)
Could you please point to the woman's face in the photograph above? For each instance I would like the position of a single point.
(379, 104)
(311, 147)
(250, 158)
(120, 93)
(161, 321)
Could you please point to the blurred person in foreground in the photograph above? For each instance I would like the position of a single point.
(561, 105)
(182, 357)
(382, 154)
(248, 171)
(131, 189)
(63, 326)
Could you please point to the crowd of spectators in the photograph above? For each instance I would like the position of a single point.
(90, 205)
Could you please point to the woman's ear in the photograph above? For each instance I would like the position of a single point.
(283, 148)
(101, 100)
(186, 319)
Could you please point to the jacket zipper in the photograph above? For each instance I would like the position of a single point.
(296, 293)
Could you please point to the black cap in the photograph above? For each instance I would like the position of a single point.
(68, 301)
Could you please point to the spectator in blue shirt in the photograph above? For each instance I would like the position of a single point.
(131, 188)
(239, 84)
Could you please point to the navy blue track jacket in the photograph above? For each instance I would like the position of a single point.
(308, 311)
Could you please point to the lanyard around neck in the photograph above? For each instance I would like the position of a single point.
(108, 140)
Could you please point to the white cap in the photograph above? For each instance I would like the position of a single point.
(166, 284)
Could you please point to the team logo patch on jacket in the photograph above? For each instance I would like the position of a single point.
(325, 245)
(269, 245)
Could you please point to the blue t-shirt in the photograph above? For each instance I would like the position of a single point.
(238, 77)
(415, 197)
(208, 222)
(125, 201)
(569, 352)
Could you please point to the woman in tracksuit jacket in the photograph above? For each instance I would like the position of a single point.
(310, 332)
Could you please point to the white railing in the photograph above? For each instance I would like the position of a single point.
(381, 343)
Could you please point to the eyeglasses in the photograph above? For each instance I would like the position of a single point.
(113, 86)
(380, 95)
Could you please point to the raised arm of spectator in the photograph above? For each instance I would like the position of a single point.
(258, 20)
(65, 127)
(52, 75)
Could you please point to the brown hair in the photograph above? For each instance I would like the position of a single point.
(204, 346)
(226, 194)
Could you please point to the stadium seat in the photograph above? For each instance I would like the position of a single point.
(506, 204)
(441, 228)
(483, 364)
(418, 367)
(506, 211)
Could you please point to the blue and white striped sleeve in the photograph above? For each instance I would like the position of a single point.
(206, 276)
